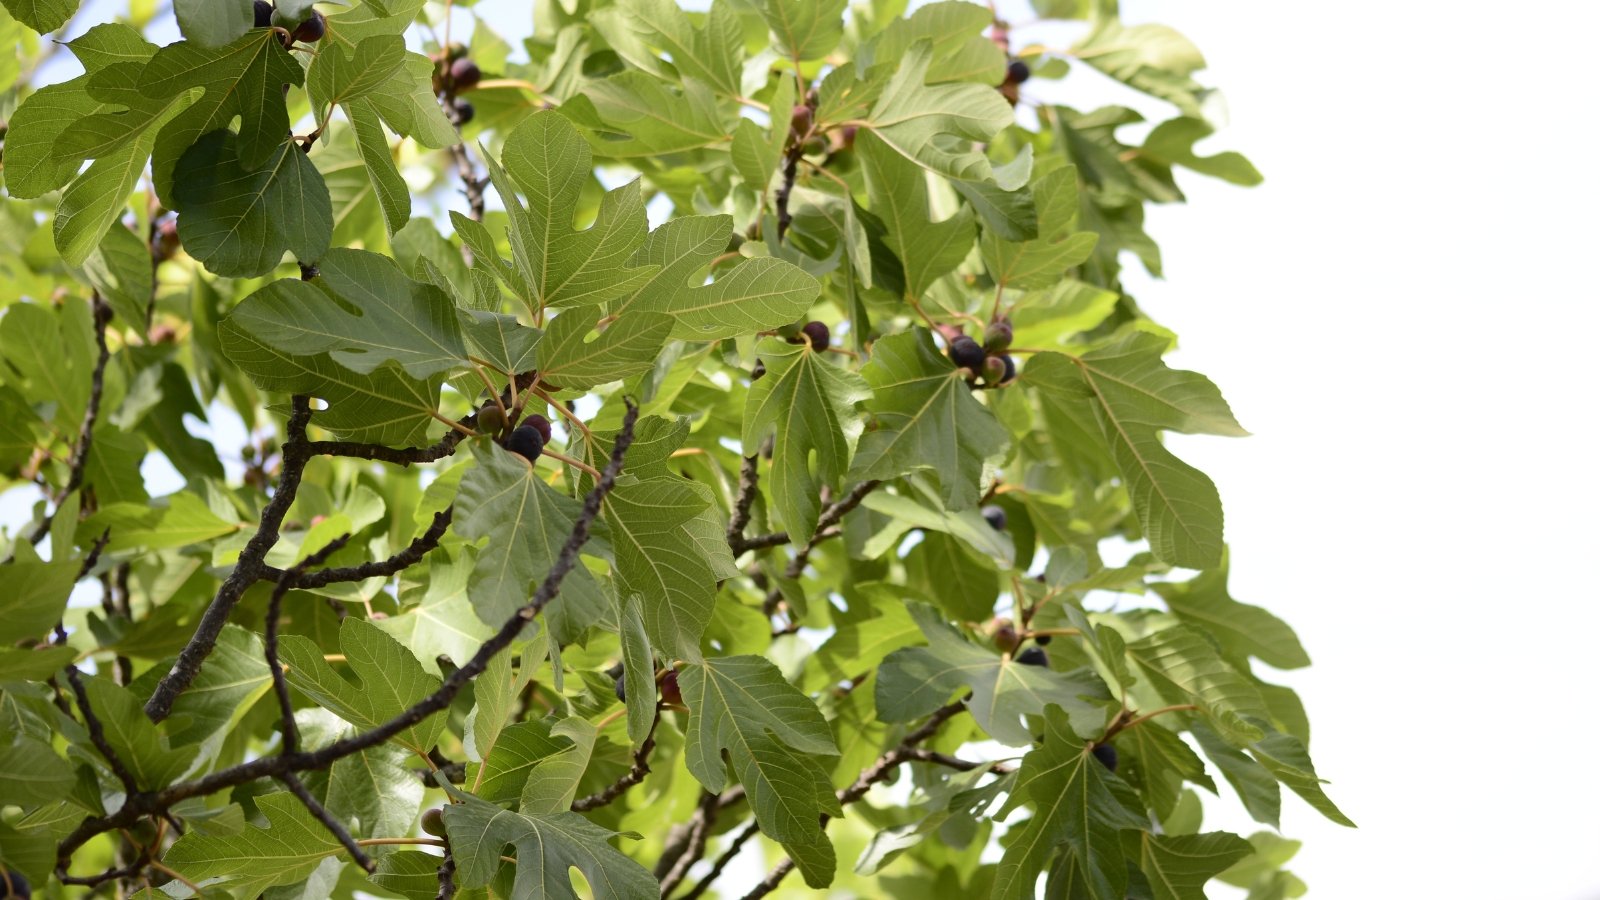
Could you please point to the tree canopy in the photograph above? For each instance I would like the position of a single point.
(688, 442)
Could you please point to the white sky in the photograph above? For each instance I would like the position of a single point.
(1399, 317)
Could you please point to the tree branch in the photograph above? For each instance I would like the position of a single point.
(699, 830)
(412, 554)
(78, 462)
(143, 804)
(727, 856)
(749, 477)
(830, 517)
(245, 573)
(635, 774)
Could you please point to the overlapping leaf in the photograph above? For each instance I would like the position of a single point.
(1076, 803)
(926, 419)
(915, 119)
(898, 190)
(239, 221)
(546, 848)
(526, 523)
(1132, 396)
(390, 680)
(742, 706)
(914, 681)
(361, 310)
(284, 852)
(808, 405)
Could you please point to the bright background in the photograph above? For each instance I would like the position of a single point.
(1399, 316)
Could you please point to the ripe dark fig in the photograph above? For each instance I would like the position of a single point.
(15, 884)
(621, 687)
(1107, 755)
(995, 516)
(1018, 72)
(527, 442)
(465, 74)
(817, 332)
(1042, 639)
(997, 337)
(464, 110)
(312, 29)
(847, 137)
(539, 422)
(1033, 656)
(433, 822)
(455, 51)
(263, 14)
(800, 120)
(1006, 637)
(759, 370)
(670, 691)
(1008, 369)
(966, 353)
(491, 420)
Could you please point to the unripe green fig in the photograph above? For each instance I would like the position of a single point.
(491, 420)
(433, 822)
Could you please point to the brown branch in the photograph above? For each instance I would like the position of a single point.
(412, 554)
(705, 815)
(830, 517)
(722, 861)
(447, 875)
(245, 573)
(749, 478)
(635, 774)
(78, 462)
(292, 782)
(144, 804)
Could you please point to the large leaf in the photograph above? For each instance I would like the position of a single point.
(659, 558)
(1178, 866)
(742, 706)
(1186, 668)
(808, 405)
(1075, 803)
(35, 597)
(211, 23)
(141, 746)
(918, 120)
(284, 852)
(42, 16)
(526, 522)
(804, 29)
(626, 347)
(898, 191)
(1240, 628)
(1042, 262)
(546, 848)
(238, 221)
(914, 681)
(244, 78)
(926, 419)
(390, 680)
(32, 774)
(1132, 396)
(363, 311)
(561, 266)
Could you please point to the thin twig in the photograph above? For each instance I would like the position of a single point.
(727, 856)
(412, 554)
(78, 462)
(829, 518)
(699, 830)
(334, 826)
(635, 774)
